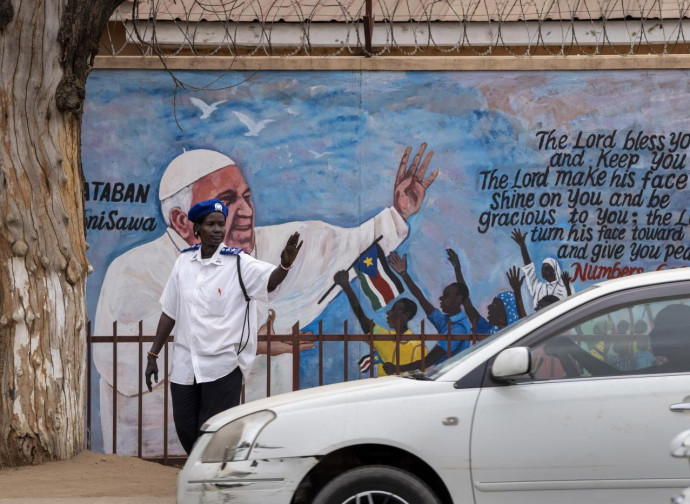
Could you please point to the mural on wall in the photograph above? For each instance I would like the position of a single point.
(461, 199)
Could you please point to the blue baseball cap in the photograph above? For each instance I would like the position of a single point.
(205, 207)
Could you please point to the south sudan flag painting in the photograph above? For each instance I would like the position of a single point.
(378, 281)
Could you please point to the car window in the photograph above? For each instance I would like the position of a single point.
(435, 372)
(643, 337)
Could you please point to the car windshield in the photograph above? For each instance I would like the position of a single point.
(440, 369)
(434, 372)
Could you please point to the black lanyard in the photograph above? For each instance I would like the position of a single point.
(246, 323)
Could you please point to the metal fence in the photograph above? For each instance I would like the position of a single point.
(295, 338)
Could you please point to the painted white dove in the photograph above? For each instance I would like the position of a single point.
(253, 127)
(206, 109)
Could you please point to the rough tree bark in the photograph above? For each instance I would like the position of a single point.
(46, 52)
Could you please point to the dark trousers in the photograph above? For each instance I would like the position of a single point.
(194, 404)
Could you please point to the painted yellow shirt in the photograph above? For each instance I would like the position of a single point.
(410, 351)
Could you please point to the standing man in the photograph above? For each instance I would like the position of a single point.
(134, 281)
(210, 296)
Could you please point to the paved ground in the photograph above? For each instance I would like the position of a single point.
(90, 478)
(92, 500)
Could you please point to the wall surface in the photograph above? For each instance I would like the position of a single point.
(590, 165)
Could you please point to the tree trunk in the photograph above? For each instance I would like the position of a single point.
(46, 50)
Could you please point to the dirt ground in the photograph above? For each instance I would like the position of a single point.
(89, 475)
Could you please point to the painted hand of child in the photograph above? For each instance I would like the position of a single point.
(397, 263)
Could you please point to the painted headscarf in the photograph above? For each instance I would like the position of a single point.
(507, 298)
(556, 268)
(557, 287)
(540, 289)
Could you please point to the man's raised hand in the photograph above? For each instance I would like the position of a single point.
(410, 184)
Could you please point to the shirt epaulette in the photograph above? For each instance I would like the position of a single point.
(190, 249)
(230, 250)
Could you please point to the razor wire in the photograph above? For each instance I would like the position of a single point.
(168, 28)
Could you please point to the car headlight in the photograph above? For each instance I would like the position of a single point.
(234, 441)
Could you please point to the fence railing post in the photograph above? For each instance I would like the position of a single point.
(115, 387)
(345, 354)
(165, 406)
(320, 352)
(295, 356)
(89, 358)
(268, 358)
(448, 352)
(371, 352)
(422, 339)
(397, 350)
(141, 389)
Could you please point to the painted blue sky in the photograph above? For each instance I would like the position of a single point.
(332, 149)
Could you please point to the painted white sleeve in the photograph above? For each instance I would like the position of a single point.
(104, 309)
(389, 224)
(531, 279)
(124, 299)
(130, 293)
(132, 288)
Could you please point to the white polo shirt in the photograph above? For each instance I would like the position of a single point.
(205, 299)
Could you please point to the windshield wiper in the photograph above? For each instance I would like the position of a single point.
(417, 374)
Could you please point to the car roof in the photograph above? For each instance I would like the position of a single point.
(643, 279)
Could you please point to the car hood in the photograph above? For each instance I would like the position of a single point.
(360, 391)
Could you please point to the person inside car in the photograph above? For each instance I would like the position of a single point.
(669, 342)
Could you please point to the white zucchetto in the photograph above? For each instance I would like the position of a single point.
(189, 167)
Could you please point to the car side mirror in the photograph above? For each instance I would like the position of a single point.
(511, 363)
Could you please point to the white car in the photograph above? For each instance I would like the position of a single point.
(574, 404)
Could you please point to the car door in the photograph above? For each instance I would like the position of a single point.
(592, 422)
